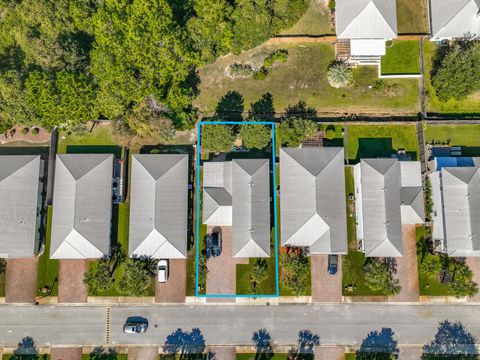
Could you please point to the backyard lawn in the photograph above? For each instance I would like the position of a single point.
(471, 105)
(100, 135)
(412, 16)
(467, 136)
(315, 21)
(353, 262)
(402, 57)
(292, 81)
(47, 268)
(377, 140)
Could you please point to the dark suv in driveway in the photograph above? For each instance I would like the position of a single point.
(214, 244)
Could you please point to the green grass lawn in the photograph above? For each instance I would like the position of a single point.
(47, 268)
(252, 357)
(469, 105)
(377, 140)
(429, 285)
(292, 82)
(402, 57)
(467, 136)
(412, 16)
(315, 21)
(353, 262)
(26, 357)
(109, 357)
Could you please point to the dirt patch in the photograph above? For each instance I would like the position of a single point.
(407, 267)
(65, 353)
(174, 290)
(221, 277)
(474, 265)
(71, 288)
(21, 282)
(31, 136)
(142, 353)
(325, 287)
(329, 353)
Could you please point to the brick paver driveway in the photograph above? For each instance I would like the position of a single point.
(474, 265)
(173, 291)
(222, 352)
(325, 287)
(143, 353)
(21, 282)
(71, 288)
(65, 353)
(329, 353)
(221, 277)
(407, 267)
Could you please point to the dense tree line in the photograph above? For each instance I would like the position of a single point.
(64, 62)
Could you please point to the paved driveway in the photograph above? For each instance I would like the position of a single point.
(407, 267)
(21, 282)
(474, 265)
(71, 288)
(173, 291)
(221, 277)
(325, 287)
(143, 353)
(66, 353)
(222, 352)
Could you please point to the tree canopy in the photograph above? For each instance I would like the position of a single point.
(65, 62)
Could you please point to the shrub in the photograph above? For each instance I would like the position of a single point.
(339, 74)
(331, 5)
(35, 131)
(25, 131)
(217, 138)
(237, 70)
(260, 74)
(279, 56)
(12, 132)
(330, 132)
(379, 84)
(293, 130)
(296, 267)
(379, 277)
(255, 136)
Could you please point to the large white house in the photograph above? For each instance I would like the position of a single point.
(452, 19)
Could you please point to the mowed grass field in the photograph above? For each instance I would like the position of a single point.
(377, 140)
(402, 57)
(303, 78)
(469, 105)
(412, 16)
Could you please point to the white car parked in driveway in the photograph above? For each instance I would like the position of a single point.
(162, 268)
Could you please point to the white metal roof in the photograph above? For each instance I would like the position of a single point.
(370, 47)
(312, 201)
(366, 19)
(19, 204)
(82, 206)
(159, 206)
(455, 18)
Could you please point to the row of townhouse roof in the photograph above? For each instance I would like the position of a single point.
(369, 23)
(238, 193)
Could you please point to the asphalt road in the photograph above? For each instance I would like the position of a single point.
(341, 324)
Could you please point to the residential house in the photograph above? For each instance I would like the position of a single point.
(367, 25)
(21, 189)
(159, 206)
(82, 206)
(456, 205)
(312, 200)
(452, 19)
(237, 193)
(388, 194)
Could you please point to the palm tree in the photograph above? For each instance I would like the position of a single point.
(339, 74)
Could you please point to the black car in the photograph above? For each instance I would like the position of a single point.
(332, 264)
(214, 244)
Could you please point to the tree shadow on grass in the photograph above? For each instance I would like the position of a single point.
(377, 148)
(230, 107)
(186, 344)
(263, 345)
(300, 110)
(378, 345)
(306, 345)
(452, 341)
(262, 110)
(100, 353)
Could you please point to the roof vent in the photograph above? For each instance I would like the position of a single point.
(251, 183)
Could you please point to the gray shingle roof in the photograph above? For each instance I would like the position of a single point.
(159, 206)
(19, 201)
(237, 193)
(366, 19)
(381, 207)
(82, 206)
(461, 206)
(312, 203)
(455, 18)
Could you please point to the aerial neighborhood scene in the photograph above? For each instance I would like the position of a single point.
(240, 179)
